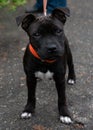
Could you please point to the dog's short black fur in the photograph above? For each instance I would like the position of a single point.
(46, 35)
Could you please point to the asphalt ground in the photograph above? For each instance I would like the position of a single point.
(13, 92)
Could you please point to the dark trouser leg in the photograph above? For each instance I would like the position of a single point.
(52, 4)
(37, 7)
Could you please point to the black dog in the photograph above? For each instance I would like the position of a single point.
(46, 56)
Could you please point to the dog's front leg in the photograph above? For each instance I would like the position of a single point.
(71, 72)
(62, 106)
(31, 101)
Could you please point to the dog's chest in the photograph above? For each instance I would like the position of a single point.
(41, 75)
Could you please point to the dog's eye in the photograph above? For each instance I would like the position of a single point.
(37, 34)
(58, 31)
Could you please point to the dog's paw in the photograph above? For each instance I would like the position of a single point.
(26, 115)
(71, 81)
(66, 119)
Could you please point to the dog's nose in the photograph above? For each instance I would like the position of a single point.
(52, 48)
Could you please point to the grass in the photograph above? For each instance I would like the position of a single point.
(12, 4)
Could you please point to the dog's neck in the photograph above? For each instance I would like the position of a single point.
(35, 54)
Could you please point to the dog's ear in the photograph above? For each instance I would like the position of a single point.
(25, 20)
(61, 14)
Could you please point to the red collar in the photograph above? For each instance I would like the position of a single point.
(32, 50)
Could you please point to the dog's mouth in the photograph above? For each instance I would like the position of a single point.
(50, 57)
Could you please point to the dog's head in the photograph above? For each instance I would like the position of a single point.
(46, 33)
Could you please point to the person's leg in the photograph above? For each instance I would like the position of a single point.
(39, 4)
(52, 4)
(38, 7)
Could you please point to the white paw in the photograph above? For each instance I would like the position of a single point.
(65, 119)
(71, 81)
(26, 115)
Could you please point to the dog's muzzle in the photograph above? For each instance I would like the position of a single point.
(51, 49)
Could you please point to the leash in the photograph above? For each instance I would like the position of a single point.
(45, 7)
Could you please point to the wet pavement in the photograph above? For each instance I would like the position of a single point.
(13, 92)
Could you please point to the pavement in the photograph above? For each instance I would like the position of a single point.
(13, 92)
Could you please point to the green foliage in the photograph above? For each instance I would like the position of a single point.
(12, 4)
(4, 2)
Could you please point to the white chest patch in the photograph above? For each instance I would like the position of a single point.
(47, 75)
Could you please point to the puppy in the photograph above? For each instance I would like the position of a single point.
(46, 56)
